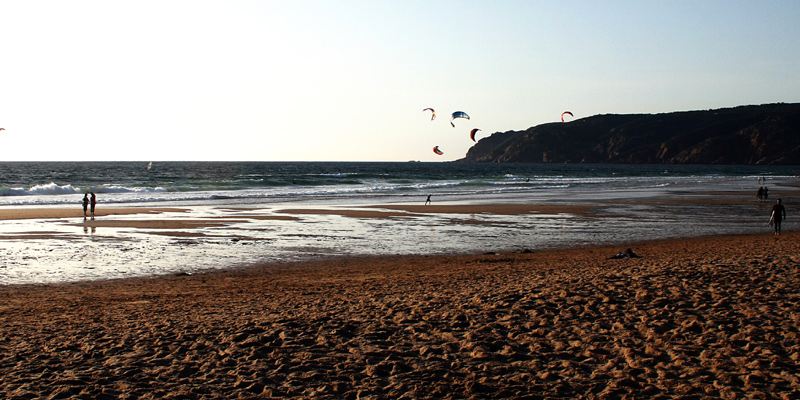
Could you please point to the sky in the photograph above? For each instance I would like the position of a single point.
(346, 80)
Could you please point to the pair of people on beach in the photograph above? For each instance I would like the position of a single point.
(87, 200)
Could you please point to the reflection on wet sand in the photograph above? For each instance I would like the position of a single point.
(154, 240)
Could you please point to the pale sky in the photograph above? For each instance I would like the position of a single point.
(346, 80)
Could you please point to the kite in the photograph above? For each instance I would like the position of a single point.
(472, 133)
(433, 112)
(437, 151)
(566, 112)
(457, 114)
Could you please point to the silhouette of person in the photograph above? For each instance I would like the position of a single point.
(766, 193)
(778, 215)
(85, 203)
(428, 200)
(93, 202)
(760, 193)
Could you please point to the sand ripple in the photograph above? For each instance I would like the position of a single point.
(712, 317)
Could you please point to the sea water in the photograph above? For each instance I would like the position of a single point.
(52, 183)
(207, 189)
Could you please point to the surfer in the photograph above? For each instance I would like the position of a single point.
(93, 202)
(778, 214)
(85, 204)
(428, 200)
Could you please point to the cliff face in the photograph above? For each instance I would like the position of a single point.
(764, 134)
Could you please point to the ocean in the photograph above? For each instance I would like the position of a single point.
(630, 203)
(61, 183)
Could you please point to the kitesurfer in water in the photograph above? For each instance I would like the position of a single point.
(85, 203)
(778, 215)
(428, 200)
(93, 202)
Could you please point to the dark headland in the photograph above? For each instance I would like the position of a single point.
(755, 134)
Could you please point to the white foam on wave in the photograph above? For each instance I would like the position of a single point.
(51, 188)
(124, 189)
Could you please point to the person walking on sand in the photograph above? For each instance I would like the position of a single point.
(85, 203)
(428, 200)
(777, 216)
(93, 203)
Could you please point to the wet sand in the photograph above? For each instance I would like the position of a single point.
(346, 212)
(156, 220)
(707, 317)
(77, 212)
(415, 210)
(496, 209)
(159, 223)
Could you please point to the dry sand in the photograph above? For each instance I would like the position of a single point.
(702, 318)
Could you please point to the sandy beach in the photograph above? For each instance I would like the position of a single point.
(399, 200)
(709, 317)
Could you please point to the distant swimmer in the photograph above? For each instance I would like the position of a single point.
(428, 200)
(85, 204)
(777, 215)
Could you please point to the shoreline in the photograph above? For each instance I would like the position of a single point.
(691, 317)
(55, 244)
(321, 264)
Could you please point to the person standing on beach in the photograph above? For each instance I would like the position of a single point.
(778, 215)
(85, 203)
(428, 200)
(93, 202)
